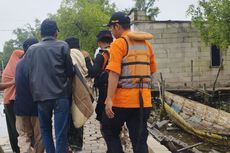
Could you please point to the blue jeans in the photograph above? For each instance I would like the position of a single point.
(60, 108)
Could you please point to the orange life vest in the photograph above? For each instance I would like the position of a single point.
(101, 78)
(105, 54)
(135, 71)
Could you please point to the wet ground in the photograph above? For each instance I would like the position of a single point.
(97, 144)
(93, 140)
(190, 139)
(182, 135)
(3, 128)
(4, 140)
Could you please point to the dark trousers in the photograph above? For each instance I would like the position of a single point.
(75, 136)
(10, 121)
(100, 103)
(137, 133)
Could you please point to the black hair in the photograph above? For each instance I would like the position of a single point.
(29, 42)
(125, 26)
(47, 33)
(73, 42)
(106, 40)
(104, 36)
(48, 28)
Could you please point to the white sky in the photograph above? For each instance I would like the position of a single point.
(17, 13)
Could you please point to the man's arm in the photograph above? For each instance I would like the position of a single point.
(94, 69)
(112, 86)
(6, 85)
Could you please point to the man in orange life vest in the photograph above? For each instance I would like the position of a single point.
(129, 95)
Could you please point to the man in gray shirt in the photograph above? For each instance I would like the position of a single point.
(49, 69)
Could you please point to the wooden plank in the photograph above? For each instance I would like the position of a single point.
(189, 147)
(162, 124)
(162, 138)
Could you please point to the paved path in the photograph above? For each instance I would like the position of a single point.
(4, 140)
(93, 140)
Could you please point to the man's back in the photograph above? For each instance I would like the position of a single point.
(49, 66)
(79, 60)
(23, 95)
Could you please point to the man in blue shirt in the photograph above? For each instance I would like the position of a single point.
(27, 123)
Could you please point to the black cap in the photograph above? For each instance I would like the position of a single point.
(104, 36)
(118, 17)
(48, 27)
(28, 42)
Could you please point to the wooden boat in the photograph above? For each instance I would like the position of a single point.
(208, 123)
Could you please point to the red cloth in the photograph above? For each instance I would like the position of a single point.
(9, 74)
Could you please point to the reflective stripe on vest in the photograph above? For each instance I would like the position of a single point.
(135, 71)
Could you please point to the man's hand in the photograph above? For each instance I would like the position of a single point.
(112, 86)
(7, 84)
(85, 53)
(108, 107)
(12, 82)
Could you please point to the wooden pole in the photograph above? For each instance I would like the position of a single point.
(192, 72)
(189, 147)
(218, 73)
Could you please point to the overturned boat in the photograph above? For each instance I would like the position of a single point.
(207, 123)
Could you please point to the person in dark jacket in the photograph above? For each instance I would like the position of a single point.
(97, 70)
(27, 123)
(49, 68)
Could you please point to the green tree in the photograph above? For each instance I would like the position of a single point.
(147, 6)
(8, 48)
(83, 19)
(212, 19)
(21, 35)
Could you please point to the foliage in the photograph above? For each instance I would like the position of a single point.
(8, 48)
(80, 18)
(147, 6)
(212, 19)
(83, 19)
(21, 35)
(28, 31)
(126, 11)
